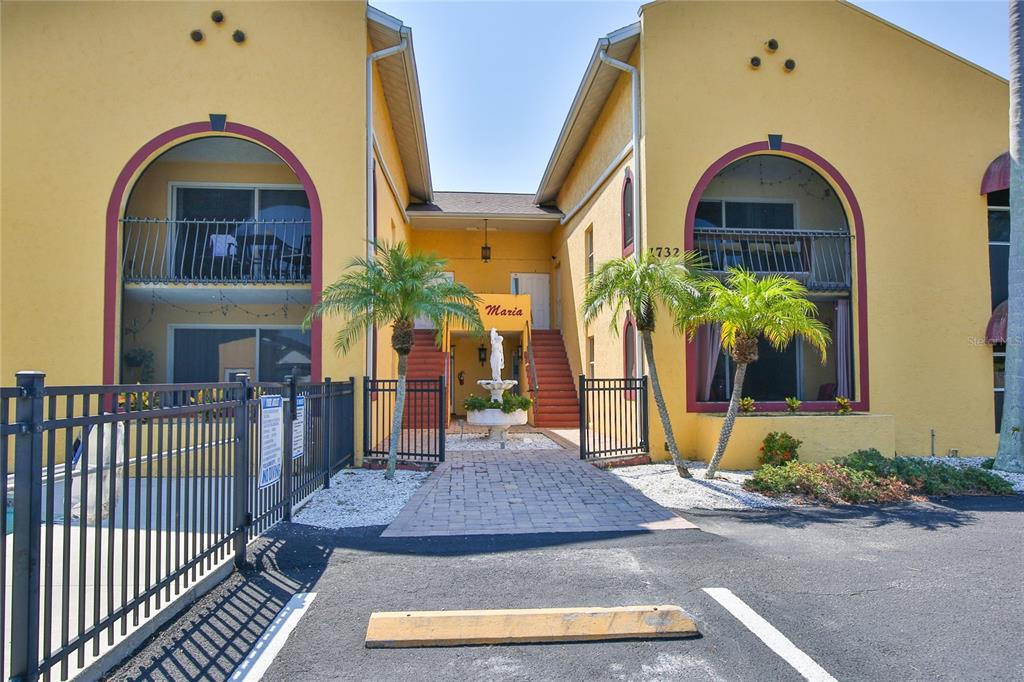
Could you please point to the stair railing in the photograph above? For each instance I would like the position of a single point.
(531, 363)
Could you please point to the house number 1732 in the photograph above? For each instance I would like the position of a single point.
(663, 251)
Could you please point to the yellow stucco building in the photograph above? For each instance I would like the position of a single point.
(164, 218)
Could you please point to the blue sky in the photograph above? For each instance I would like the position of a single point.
(497, 78)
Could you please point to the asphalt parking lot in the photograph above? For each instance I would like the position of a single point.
(914, 592)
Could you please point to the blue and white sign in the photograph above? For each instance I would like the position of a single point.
(299, 428)
(271, 438)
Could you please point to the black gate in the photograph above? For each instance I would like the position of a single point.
(613, 418)
(424, 418)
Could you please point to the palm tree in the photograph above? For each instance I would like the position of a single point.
(395, 289)
(748, 308)
(1010, 456)
(640, 284)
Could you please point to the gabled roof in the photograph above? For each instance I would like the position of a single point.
(402, 93)
(590, 99)
(484, 204)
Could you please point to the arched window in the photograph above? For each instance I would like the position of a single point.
(629, 350)
(628, 224)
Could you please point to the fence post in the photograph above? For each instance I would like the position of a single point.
(286, 452)
(646, 417)
(366, 416)
(325, 418)
(583, 415)
(28, 487)
(442, 404)
(241, 474)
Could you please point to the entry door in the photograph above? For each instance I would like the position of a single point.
(538, 286)
(424, 323)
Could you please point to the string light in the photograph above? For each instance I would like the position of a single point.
(224, 306)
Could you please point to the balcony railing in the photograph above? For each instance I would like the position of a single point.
(164, 251)
(820, 259)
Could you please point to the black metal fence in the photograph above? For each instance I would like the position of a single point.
(613, 418)
(126, 496)
(424, 418)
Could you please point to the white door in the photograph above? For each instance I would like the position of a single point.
(558, 298)
(539, 288)
(424, 323)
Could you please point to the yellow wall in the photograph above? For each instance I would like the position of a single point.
(925, 225)
(512, 252)
(76, 108)
(824, 436)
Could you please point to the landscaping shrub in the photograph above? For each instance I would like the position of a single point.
(779, 447)
(747, 405)
(843, 405)
(929, 478)
(827, 482)
(989, 463)
(793, 404)
(510, 403)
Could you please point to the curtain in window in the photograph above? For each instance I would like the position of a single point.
(844, 352)
(709, 348)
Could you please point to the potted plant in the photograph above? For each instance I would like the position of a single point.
(142, 360)
(499, 416)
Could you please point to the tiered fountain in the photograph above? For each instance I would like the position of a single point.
(497, 421)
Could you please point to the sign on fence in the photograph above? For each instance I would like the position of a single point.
(299, 427)
(271, 438)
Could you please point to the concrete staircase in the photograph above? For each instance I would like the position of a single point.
(426, 361)
(557, 405)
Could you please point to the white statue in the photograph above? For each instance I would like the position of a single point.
(497, 355)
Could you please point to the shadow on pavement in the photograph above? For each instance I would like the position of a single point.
(934, 514)
(211, 638)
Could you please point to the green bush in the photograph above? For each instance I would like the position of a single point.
(793, 404)
(929, 478)
(827, 482)
(747, 405)
(510, 403)
(779, 447)
(843, 405)
(989, 463)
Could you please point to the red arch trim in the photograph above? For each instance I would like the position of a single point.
(116, 203)
(857, 218)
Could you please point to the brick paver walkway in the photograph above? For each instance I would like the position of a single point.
(540, 491)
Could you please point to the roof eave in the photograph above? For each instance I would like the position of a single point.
(390, 23)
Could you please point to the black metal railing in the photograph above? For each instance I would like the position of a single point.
(127, 496)
(613, 417)
(158, 250)
(421, 437)
(818, 258)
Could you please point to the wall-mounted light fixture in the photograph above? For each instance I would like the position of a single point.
(790, 64)
(481, 353)
(485, 250)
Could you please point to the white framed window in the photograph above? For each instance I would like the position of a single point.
(590, 358)
(588, 249)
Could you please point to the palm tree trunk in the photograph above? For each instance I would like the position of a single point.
(396, 420)
(730, 420)
(659, 400)
(1010, 456)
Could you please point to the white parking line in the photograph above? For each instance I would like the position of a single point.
(270, 642)
(766, 632)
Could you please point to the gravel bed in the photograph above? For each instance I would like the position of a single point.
(661, 483)
(360, 497)
(513, 441)
(1016, 480)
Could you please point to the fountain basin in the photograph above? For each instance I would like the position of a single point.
(497, 421)
(497, 388)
